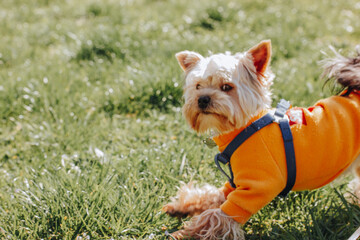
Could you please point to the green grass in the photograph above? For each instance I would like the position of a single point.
(91, 132)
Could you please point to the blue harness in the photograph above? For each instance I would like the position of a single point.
(284, 125)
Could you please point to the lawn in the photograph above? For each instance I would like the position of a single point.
(92, 139)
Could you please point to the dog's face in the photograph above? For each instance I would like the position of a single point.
(222, 92)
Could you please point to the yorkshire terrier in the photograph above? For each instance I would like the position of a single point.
(225, 94)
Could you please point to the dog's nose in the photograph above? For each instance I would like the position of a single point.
(203, 101)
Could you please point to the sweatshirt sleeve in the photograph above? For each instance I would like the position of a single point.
(258, 179)
(227, 188)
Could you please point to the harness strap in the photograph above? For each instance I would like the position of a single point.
(281, 109)
(225, 156)
(290, 156)
(246, 133)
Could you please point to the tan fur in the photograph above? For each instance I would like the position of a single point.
(188, 59)
(192, 200)
(210, 225)
(228, 110)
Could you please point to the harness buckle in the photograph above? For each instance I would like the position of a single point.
(280, 112)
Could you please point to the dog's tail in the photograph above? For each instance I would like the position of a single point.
(343, 70)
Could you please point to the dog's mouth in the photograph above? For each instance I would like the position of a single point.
(206, 120)
(206, 112)
(215, 114)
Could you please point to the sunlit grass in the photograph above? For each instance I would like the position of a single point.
(91, 134)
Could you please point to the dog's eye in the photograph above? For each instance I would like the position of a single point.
(226, 87)
(197, 86)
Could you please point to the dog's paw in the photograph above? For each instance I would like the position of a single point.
(173, 210)
(180, 235)
(192, 200)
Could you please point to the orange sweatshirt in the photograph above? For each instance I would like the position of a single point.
(326, 141)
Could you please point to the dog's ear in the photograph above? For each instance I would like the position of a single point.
(188, 59)
(261, 54)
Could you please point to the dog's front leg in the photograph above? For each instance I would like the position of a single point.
(192, 200)
(210, 225)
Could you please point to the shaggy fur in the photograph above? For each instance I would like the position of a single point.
(211, 224)
(192, 200)
(205, 76)
(343, 70)
(237, 89)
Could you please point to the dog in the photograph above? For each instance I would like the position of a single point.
(227, 93)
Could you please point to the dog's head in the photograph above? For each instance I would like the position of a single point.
(222, 92)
